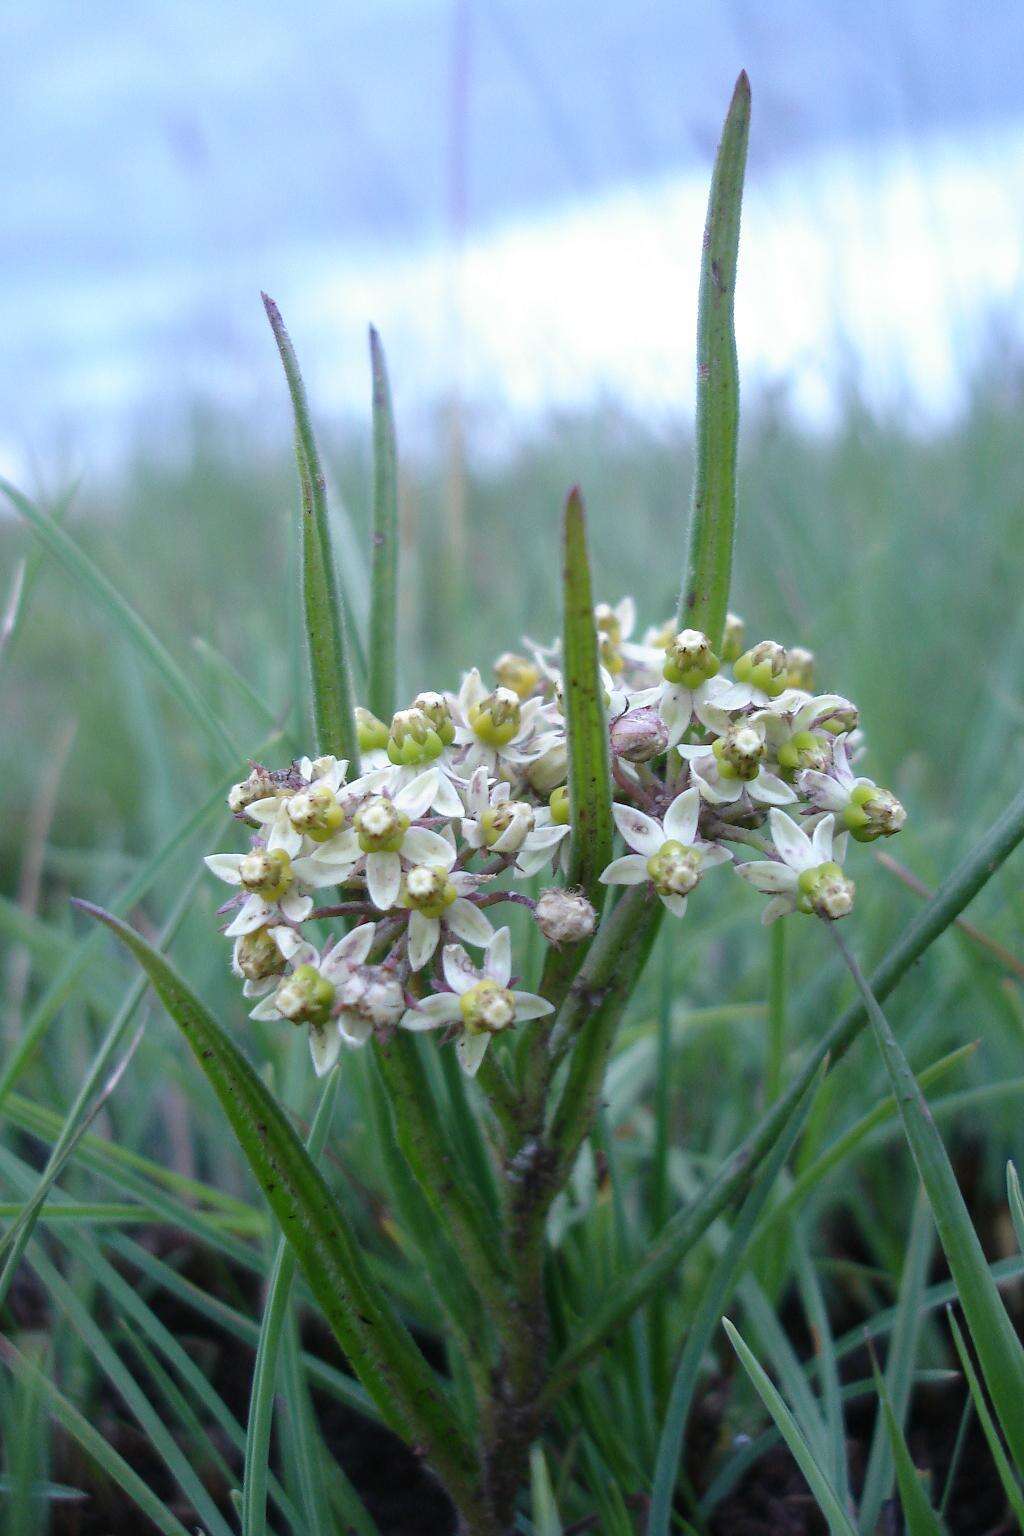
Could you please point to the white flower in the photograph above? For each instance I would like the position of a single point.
(866, 811)
(722, 769)
(438, 899)
(310, 994)
(498, 823)
(440, 779)
(314, 811)
(497, 730)
(669, 853)
(806, 877)
(479, 1001)
(546, 844)
(277, 887)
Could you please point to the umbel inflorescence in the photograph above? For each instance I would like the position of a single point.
(463, 797)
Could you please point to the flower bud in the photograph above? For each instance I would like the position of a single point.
(487, 1009)
(732, 642)
(316, 812)
(518, 673)
(438, 711)
(305, 997)
(825, 890)
(549, 770)
(380, 826)
(508, 823)
(497, 718)
(801, 668)
(371, 733)
(873, 813)
(765, 666)
(639, 735)
(266, 874)
(675, 869)
(427, 889)
(413, 738)
(256, 955)
(838, 717)
(564, 917)
(374, 993)
(559, 806)
(257, 786)
(803, 750)
(689, 659)
(739, 752)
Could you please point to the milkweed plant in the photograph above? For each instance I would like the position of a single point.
(598, 783)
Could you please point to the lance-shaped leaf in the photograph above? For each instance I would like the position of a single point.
(333, 704)
(1000, 1352)
(705, 596)
(590, 790)
(312, 1219)
(918, 1515)
(384, 582)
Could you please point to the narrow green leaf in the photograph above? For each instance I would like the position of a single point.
(1011, 1487)
(544, 1510)
(817, 1479)
(1016, 1204)
(705, 595)
(716, 1293)
(88, 575)
(920, 1518)
(999, 1349)
(590, 785)
(828, 1367)
(372, 1337)
(308, 1453)
(384, 566)
(92, 1442)
(333, 702)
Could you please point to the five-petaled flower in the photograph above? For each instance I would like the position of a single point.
(669, 853)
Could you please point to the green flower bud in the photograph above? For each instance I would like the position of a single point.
(380, 826)
(873, 813)
(427, 889)
(559, 806)
(739, 752)
(266, 874)
(517, 673)
(765, 666)
(487, 1009)
(801, 668)
(497, 718)
(257, 955)
(689, 659)
(825, 890)
(413, 739)
(513, 817)
(838, 719)
(675, 869)
(316, 812)
(438, 711)
(732, 643)
(802, 750)
(305, 997)
(371, 733)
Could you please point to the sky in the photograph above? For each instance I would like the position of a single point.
(512, 190)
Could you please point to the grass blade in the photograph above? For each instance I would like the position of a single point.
(543, 1508)
(384, 568)
(716, 1294)
(333, 702)
(77, 563)
(374, 1340)
(705, 594)
(918, 1515)
(1016, 1204)
(817, 1480)
(999, 1349)
(590, 786)
(1011, 1487)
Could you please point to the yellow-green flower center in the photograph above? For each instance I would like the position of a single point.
(739, 752)
(497, 718)
(257, 955)
(305, 997)
(371, 733)
(266, 874)
(873, 813)
(428, 889)
(487, 1009)
(825, 890)
(316, 812)
(499, 819)
(559, 805)
(437, 710)
(380, 826)
(689, 659)
(517, 673)
(765, 666)
(803, 750)
(413, 739)
(675, 868)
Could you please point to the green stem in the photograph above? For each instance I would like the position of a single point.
(384, 570)
(776, 1014)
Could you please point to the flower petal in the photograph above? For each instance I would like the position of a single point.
(415, 797)
(356, 945)
(767, 875)
(265, 1010)
(424, 933)
(631, 869)
(383, 879)
(530, 1006)
(770, 789)
(467, 922)
(254, 913)
(459, 971)
(421, 846)
(676, 904)
(353, 1029)
(432, 1012)
(324, 1047)
(296, 906)
(225, 866)
(682, 816)
(781, 906)
(471, 1050)
(498, 958)
(642, 833)
(446, 800)
(791, 841)
(821, 841)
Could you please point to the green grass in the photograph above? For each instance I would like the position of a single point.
(895, 556)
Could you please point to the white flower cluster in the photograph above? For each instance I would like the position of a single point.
(463, 789)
